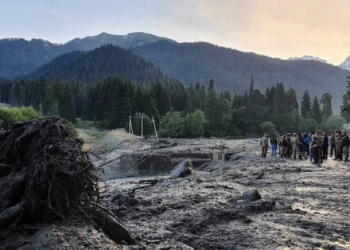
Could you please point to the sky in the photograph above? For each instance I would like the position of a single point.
(277, 28)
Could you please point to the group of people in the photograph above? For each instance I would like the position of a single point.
(313, 145)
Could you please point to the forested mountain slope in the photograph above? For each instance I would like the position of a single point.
(19, 56)
(232, 69)
(96, 65)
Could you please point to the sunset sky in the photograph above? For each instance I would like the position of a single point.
(278, 28)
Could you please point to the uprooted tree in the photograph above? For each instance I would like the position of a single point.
(44, 177)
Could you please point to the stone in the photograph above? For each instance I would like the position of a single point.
(252, 195)
(183, 169)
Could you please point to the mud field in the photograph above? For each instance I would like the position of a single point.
(302, 206)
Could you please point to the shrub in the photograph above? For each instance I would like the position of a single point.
(268, 128)
(9, 116)
(194, 124)
(335, 122)
(172, 125)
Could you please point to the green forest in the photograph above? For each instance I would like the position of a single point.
(179, 111)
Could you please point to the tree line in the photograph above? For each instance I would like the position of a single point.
(179, 111)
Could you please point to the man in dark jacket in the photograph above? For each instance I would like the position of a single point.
(345, 143)
(332, 144)
(325, 145)
(273, 142)
(284, 146)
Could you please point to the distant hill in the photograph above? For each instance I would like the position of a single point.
(308, 58)
(98, 64)
(346, 64)
(231, 69)
(19, 56)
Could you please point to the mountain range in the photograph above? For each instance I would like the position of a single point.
(19, 56)
(95, 65)
(189, 62)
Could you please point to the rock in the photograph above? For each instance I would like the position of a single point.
(260, 176)
(173, 245)
(183, 169)
(252, 195)
(212, 166)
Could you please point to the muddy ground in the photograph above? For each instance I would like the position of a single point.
(303, 206)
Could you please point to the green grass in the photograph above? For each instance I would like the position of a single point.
(98, 135)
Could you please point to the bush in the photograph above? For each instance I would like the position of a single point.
(172, 125)
(268, 128)
(9, 116)
(194, 124)
(335, 122)
(309, 124)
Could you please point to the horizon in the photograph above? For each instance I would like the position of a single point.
(278, 29)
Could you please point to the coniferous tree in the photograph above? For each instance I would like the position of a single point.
(66, 103)
(326, 101)
(160, 94)
(306, 105)
(316, 113)
(345, 109)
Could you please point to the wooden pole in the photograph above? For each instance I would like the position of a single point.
(142, 125)
(155, 129)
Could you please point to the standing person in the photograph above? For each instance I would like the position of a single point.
(284, 146)
(289, 146)
(279, 143)
(305, 145)
(295, 146)
(264, 143)
(325, 144)
(320, 156)
(345, 143)
(315, 145)
(311, 152)
(301, 152)
(338, 150)
(273, 142)
(332, 144)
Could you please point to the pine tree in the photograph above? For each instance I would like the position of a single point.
(326, 101)
(345, 109)
(66, 103)
(316, 113)
(160, 94)
(291, 98)
(251, 86)
(306, 105)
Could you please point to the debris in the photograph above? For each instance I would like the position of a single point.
(183, 169)
(45, 177)
(163, 144)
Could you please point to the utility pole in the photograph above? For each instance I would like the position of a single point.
(155, 129)
(142, 125)
(130, 126)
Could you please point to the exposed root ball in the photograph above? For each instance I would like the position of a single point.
(44, 175)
